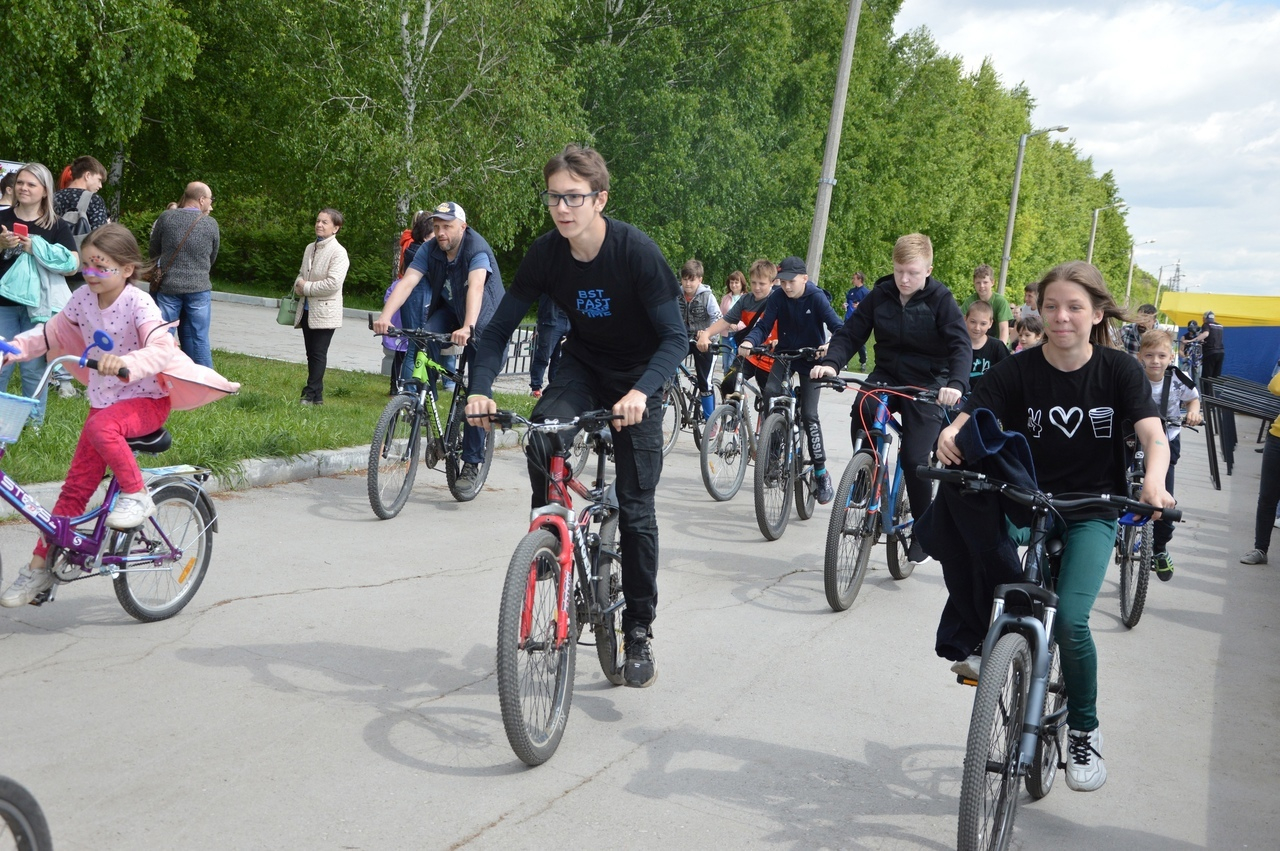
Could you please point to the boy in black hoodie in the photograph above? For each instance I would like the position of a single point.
(921, 340)
(800, 310)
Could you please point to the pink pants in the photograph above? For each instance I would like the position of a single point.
(102, 445)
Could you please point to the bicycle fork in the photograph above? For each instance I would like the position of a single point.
(1037, 634)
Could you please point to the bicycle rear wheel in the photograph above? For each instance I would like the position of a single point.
(608, 634)
(1135, 571)
(672, 417)
(899, 544)
(849, 533)
(990, 786)
(535, 674)
(393, 457)
(724, 453)
(453, 463)
(1051, 744)
(154, 591)
(774, 475)
(24, 820)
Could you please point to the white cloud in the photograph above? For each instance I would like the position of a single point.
(1181, 100)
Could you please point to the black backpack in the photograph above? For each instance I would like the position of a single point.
(78, 219)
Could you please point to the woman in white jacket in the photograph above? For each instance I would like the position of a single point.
(324, 268)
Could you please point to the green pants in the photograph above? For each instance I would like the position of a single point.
(1088, 545)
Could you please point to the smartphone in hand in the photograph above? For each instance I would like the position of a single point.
(20, 229)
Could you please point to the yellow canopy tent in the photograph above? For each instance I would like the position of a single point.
(1231, 311)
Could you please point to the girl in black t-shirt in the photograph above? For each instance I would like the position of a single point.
(1069, 398)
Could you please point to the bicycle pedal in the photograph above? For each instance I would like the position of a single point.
(43, 597)
(965, 681)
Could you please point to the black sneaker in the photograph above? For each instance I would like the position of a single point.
(916, 553)
(467, 478)
(638, 671)
(1164, 566)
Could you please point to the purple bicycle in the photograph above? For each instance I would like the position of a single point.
(157, 567)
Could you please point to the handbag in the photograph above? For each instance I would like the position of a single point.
(155, 276)
(288, 309)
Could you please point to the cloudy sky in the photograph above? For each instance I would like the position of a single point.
(1181, 99)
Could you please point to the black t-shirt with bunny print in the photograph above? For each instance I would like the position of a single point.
(1074, 421)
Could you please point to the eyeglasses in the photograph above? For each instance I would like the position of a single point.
(572, 199)
(94, 272)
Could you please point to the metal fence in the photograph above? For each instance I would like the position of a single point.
(520, 350)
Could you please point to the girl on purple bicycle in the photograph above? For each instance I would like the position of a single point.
(159, 378)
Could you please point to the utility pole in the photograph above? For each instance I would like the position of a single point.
(827, 181)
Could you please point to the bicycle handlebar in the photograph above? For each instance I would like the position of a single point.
(418, 336)
(589, 420)
(1033, 498)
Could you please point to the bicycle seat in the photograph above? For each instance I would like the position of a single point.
(152, 444)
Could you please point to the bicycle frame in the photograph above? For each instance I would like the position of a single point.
(559, 518)
(1034, 591)
(881, 436)
(86, 549)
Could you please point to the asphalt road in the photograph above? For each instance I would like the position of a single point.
(332, 686)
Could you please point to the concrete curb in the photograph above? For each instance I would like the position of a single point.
(274, 303)
(255, 473)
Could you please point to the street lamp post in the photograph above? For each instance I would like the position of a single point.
(1013, 200)
(1128, 288)
(1093, 230)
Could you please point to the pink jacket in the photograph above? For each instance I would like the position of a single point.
(188, 384)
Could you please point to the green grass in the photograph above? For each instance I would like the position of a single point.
(264, 420)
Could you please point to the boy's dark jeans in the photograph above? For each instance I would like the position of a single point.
(1164, 529)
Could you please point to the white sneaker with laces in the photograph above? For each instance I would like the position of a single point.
(29, 585)
(131, 510)
(1086, 770)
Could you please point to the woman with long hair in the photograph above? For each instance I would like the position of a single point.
(31, 228)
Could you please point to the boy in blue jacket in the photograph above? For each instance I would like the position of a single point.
(800, 310)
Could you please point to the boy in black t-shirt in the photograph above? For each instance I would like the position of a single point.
(620, 296)
(987, 351)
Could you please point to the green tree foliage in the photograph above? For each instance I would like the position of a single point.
(78, 76)
(712, 116)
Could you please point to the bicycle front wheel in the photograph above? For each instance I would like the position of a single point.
(1052, 743)
(672, 417)
(1135, 571)
(805, 487)
(724, 453)
(453, 463)
(899, 544)
(535, 671)
(393, 457)
(774, 475)
(849, 535)
(608, 632)
(156, 590)
(24, 820)
(990, 785)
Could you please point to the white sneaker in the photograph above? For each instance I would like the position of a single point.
(1086, 770)
(968, 668)
(131, 510)
(29, 585)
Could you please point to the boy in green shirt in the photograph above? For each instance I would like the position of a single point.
(984, 290)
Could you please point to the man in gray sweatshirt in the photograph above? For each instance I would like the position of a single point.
(185, 243)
